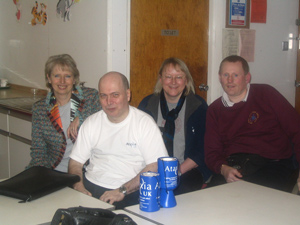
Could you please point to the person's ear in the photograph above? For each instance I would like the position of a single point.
(160, 78)
(49, 81)
(220, 78)
(248, 78)
(128, 93)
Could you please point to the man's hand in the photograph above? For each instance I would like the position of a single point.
(80, 187)
(230, 174)
(131, 186)
(112, 196)
(76, 168)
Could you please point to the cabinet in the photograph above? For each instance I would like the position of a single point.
(15, 139)
(19, 153)
(4, 152)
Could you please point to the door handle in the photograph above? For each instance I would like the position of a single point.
(297, 84)
(203, 87)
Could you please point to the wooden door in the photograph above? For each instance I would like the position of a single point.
(167, 28)
(297, 83)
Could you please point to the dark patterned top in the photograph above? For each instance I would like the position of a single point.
(48, 139)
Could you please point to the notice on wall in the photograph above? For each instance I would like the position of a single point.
(238, 12)
(247, 44)
(258, 11)
(230, 42)
(239, 42)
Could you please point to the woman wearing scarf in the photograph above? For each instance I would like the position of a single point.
(180, 114)
(57, 118)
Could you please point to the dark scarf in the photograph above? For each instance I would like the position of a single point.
(170, 117)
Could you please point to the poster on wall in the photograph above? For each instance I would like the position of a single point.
(239, 42)
(258, 11)
(247, 44)
(63, 8)
(39, 14)
(237, 13)
(18, 6)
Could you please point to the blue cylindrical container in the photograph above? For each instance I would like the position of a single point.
(168, 171)
(149, 192)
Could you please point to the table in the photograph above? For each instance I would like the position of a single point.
(43, 209)
(233, 203)
(137, 219)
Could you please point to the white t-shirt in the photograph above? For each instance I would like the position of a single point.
(117, 151)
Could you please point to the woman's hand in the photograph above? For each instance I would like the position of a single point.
(73, 129)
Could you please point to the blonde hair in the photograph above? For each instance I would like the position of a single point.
(66, 62)
(183, 67)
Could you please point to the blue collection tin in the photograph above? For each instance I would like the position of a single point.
(168, 171)
(149, 192)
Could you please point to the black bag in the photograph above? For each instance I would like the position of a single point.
(36, 182)
(89, 216)
(246, 163)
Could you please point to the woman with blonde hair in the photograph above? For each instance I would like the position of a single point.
(57, 118)
(181, 115)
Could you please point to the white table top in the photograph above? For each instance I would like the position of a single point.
(137, 219)
(43, 209)
(233, 203)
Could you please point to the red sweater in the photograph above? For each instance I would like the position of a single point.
(265, 124)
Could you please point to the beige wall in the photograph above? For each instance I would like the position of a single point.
(98, 38)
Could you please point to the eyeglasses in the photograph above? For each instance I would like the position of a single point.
(169, 78)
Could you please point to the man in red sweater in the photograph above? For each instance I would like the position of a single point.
(252, 131)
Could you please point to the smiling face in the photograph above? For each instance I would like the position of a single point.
(62, 81)
(114, 98)
(234, 80)
(173, 82)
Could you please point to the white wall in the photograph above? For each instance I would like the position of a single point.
(119, 36)
(271, 65)
(98, 38)
(216, 24)
(24, 48)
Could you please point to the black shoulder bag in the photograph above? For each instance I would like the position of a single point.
(89, 216)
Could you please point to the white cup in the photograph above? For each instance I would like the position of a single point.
(3, 82)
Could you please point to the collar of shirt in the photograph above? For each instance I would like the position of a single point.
(227, 103)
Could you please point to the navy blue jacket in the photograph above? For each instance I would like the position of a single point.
(194, 129)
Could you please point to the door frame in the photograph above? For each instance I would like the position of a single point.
(297, 78)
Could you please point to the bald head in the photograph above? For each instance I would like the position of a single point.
(115, 75)
(114, 96)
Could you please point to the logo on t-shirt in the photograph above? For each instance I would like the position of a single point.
(253, 117)
(133, 145)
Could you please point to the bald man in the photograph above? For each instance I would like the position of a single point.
(120, 141)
